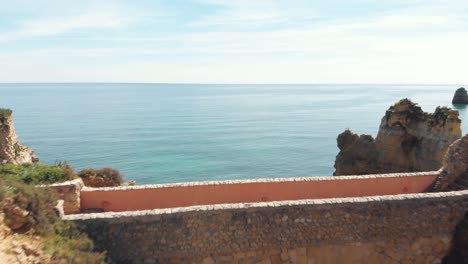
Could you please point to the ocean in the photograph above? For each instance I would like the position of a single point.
(164, 133)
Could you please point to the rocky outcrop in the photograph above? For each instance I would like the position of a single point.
(358, 154)
(20, 248)
(408, 140)
(10, 149)
(16, 217)
(454, 172)
(460, 96)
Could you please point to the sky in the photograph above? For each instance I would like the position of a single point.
(234, 41)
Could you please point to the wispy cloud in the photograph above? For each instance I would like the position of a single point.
(254, 13)
(53, 26)
(248, 41)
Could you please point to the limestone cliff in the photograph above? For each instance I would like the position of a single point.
(408, 140)
(10, 149)
(460, 96)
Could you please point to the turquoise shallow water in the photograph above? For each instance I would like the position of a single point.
(159, 133)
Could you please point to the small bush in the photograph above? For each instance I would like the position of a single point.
(37, 173)
(110, 174)
(104, 177)
(68, 170)
(87, 173)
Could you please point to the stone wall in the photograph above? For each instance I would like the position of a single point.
(158, 196)
(407, 228)
(69, 192)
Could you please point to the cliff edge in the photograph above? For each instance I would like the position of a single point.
(408, 140)
(10, 149)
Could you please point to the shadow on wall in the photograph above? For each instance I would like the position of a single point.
(459, 252)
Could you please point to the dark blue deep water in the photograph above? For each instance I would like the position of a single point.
(159, 133)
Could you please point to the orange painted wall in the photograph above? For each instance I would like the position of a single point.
(139, 198)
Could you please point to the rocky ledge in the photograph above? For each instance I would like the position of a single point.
(460, 96)
(408, 140)
(10, 149)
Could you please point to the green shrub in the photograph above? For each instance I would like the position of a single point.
(5, 112)
(63, 240)
(37, 173)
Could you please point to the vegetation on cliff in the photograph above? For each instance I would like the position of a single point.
(26, 208)
(4, 112)
(31, 210)
(38, 173)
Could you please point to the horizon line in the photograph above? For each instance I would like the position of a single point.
(260, 83)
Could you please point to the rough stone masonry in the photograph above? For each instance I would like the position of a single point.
(412, 228)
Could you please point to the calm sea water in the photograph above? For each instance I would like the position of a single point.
(159, 133)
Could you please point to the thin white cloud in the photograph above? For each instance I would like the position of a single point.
(54, 26)
(379, 36)
(418, 44)
(254, 13)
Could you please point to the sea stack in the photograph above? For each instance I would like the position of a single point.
(408, 140)
(460, 97)
(10, 149)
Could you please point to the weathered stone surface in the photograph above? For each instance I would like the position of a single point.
(459, 248)
(408, 140)
(10, 149)
(460, 96)
(15, 217)
(378, 229)
(69, 192)
(454, 172)
(359, 154)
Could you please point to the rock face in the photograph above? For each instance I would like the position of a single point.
(454, 172)
(10, 149)
(358, 154)
(16, 217)
(408, 140)
(460, 97)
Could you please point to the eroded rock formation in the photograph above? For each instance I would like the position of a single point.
(408, 140)
(460, 96)
(10, 149)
